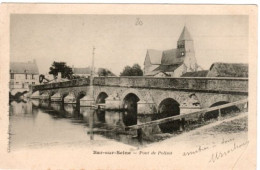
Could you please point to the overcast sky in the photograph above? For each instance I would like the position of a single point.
(120, 42)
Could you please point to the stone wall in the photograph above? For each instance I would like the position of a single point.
(239, 85)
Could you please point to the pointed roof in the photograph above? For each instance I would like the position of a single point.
(185, 35)
(155, 56)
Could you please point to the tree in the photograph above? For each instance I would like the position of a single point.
(135, 70)
(66, 71)
(105, 72)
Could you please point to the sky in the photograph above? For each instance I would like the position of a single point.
(120, 41)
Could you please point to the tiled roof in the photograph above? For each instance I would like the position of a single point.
(170, 57)
(228, 70)
(86, 70)
(155, 56)
(167, 68)
(20, 67)
(152, 73)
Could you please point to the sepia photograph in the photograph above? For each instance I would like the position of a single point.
(168, 87)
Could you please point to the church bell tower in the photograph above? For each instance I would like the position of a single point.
(185, 48)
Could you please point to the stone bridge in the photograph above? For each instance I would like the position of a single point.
(147, 95)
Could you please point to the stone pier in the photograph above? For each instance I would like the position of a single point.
(70, 99)
(113, 103)
(35, 95)
(87, 101)
(56, 97)
(45, 96)
(144, 107)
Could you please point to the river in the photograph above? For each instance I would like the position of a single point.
(35, 123)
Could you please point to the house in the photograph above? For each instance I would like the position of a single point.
(81, 72)
(22, 75)
(173, 62)
(228, 70)
(221, 70)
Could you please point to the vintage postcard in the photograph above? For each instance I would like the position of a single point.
(127, 86)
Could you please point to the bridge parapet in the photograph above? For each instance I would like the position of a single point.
(55, 85)
(195, 84)
(208, 84)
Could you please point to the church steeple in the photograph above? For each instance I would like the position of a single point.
(185, 43)
(185, 35)
(186, 50)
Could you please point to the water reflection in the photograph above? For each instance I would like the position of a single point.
(21, 109)
(130, 118)
(57, 122)
(35, 103)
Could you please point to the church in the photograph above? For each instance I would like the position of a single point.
(172, 62)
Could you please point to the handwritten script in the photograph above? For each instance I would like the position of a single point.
(220, 154)
(198, 150)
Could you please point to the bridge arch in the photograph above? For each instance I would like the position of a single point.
(224, 111)
(63, 95)
(18, 95)
(79, 96)
(166, 108)
(209, 101)
(51, 93)
(41, 92)
(101, 97)
(130, 102)
(133, 91)
(25, 91)
(169, 106)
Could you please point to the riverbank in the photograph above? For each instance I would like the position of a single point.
(231, 127)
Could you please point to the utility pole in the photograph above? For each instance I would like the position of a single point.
(89, 100)
(92, 67)
(91, 89)
(93, 57)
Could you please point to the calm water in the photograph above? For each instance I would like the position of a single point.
(36, 123)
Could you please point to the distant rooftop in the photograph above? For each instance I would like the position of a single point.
(23, 67)
(86, 70)
(221, 70)
(228, 70)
